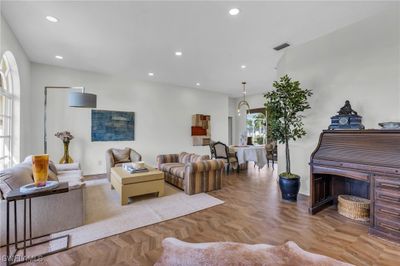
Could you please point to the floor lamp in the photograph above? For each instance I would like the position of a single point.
(79, 99)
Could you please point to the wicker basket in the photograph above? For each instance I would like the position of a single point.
(353, 207)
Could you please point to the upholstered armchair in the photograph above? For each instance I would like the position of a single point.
(116, 157)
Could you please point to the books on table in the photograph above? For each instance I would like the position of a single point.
(132, 169)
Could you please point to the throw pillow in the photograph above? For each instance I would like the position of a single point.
(28, 159)
(177, 252)
(121, 155)
(52, 176)
(52, 167)
(15, 177)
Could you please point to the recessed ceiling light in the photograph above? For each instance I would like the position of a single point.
(234, 11)
(151, 74)
(197, 84)
(243, 66)
(178, 53)
(52, 19)
(59, 57)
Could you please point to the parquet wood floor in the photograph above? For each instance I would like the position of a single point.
(252, 213)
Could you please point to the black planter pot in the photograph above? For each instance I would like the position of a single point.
(289, 187)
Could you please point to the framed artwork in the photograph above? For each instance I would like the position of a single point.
(113, 125)
(201, 129)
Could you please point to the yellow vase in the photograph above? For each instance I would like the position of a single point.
(40, 169)
(66, 158)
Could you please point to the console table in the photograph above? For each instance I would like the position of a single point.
(364, 163)
(15, 196)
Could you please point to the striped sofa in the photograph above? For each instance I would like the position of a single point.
(191, 172)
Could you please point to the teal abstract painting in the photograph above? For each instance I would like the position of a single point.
(113, 125)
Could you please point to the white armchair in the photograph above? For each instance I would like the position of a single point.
(116, 157)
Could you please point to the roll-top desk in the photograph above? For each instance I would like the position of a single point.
(363, 163)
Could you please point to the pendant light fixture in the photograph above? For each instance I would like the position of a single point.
(243, 102)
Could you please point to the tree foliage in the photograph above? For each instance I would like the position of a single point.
(285, 105)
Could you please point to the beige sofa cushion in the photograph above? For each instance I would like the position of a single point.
(177, 252)
(185, 158)
(70, 176)
(178, 171)
(67, 167)
(73, 177)
(121, 155)
(15, 177)
(167, 167)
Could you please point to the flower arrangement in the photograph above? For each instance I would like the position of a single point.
(65, 136)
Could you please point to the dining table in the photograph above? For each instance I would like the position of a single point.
(251, 153)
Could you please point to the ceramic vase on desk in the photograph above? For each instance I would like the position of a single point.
(66, 137)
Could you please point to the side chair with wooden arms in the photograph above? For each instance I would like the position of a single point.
(270, 151)
(220, 150)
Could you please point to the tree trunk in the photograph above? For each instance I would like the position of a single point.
(287, 155)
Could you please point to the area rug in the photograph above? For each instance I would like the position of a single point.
(106, 217)
(177, 252)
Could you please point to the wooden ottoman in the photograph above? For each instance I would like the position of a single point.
(129, 185)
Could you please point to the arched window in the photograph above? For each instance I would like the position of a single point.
(9, 79)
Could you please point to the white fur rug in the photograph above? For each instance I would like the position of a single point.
(106, 217)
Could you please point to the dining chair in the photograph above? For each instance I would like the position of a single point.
(270, 151)
(212, 150)
(220, 150)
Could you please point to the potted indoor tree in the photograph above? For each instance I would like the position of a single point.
(285, 105)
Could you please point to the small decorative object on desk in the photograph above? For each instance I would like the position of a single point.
(40, 169)
(390, 125)
(346, 118)
(66, 137)
(135, 167)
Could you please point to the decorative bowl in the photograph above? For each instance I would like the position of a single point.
(390, 125)
(30, 188)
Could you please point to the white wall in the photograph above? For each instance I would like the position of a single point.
(360, 63)
(21, 126)
(232, 112)
(163, 115)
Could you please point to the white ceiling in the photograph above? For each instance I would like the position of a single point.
(134, 38)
